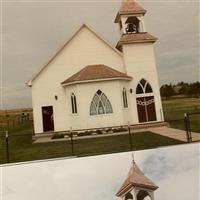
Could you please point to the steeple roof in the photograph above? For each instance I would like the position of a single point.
(136, 178)
(129, 7)
(135, 38)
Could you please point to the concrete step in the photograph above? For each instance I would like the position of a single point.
(149, 125)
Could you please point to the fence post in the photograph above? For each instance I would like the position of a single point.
(7, 147)
(186, 126)
(189, 128)
(8, 124)
(18, 119)
(130, 137)
(72, 141)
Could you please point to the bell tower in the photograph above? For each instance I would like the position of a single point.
(136, 186)
(130, 18)
(137, 47)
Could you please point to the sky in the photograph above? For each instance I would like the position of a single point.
(33, 31)
(175, 170)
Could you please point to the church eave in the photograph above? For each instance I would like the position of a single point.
(119, 14)
(96, 80)
(119, 44)
(151, 187)
(135, 38)
(126, 189)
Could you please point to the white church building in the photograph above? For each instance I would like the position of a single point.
(90, 84)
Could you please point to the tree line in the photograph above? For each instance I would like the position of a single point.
(181, 88)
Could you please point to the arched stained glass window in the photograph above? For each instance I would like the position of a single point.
(125, 102)
(143, 87)
(100, 104)
(73, 103)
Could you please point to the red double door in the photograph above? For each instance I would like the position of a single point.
(146, 109)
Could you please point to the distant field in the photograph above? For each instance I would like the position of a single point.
(14, 112)
(174, 109)
(16, 119)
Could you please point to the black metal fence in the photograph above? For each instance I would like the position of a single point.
(189, 123)
(9, 142)
(14, 147)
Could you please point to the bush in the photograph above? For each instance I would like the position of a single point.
(73, 134)
(85, 133)
(57, 136)
(121, 129)
(81, 133)
(115, 130)
(99, 131)
(109, 130)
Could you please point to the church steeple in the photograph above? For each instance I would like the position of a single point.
(130, 18)
(136, 186)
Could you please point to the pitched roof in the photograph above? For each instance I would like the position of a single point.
(129, 7)
(134, 38)
(95, 72)
(136, 178)
(29, 83)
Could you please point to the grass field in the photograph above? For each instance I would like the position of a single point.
(22, 149)
(174, 109)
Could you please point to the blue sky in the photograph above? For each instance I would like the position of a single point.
(174, 169)
(34, 30)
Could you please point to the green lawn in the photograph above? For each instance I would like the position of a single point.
(174, 109)
(22, 149)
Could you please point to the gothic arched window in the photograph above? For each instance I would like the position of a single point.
(143, 87)
(100, 104)
(125, 102)
(73, 103)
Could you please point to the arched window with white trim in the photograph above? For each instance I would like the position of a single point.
(125, 101)
(73, 104)
(145, 102)
(100, 104)
(143, 87)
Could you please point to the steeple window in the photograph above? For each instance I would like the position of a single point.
(143, 195)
